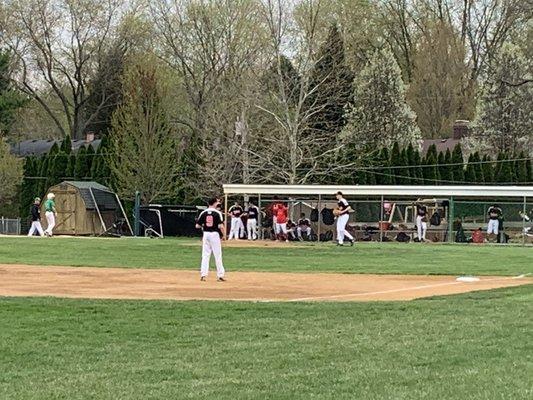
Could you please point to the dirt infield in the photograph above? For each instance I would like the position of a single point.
(119, 283)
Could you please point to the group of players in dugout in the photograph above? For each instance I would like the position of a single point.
(244, 221)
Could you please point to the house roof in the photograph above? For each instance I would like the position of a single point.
(38, 147)
(441, 144)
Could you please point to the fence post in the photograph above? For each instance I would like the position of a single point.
(137, 213)
(450, 220)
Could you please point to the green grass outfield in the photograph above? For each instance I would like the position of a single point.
(471, 346)
(390, 258)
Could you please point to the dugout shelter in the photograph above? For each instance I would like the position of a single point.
(87, 208)
(465, 204)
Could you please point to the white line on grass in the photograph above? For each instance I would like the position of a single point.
(338, 296)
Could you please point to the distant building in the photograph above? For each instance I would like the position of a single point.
(39, 147)
(461, 129)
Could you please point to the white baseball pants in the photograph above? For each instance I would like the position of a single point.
(421, 227)
(281, 228)
(251, 226)
(51, 220)
(237, 228)
(211, 244)
(303, 229)
(493, 226)
(36, 226)
(342, 221)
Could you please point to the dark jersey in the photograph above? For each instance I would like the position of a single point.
(304, 222)
(35, 212)
(210, 219)
(495, 212)
(421, 210)
(235, 211)
(343, 204)
(253, 212)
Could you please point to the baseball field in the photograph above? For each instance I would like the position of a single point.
(129, 319)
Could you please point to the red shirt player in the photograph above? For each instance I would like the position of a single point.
(281, 215)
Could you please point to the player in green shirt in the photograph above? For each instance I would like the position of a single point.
(50, 213)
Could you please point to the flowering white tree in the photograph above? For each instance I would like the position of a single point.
(504, 120)
(379, 115)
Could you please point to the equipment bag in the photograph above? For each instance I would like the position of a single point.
(314, 215)
(435, 219)
(327, 216)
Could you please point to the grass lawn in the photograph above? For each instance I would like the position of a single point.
(472, 346)
(394, 258)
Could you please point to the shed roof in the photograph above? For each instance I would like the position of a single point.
(94, 194)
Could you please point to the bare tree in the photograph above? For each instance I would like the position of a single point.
(58, 45)
(214, 46)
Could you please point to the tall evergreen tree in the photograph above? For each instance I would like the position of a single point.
(66, 145)
(521, 172)
(478, 168)
(488, 170)
(458, 164)
(80, 168)
(445, 169)
(505, 171)
(430, 170)
(386, 178)
(470, 173)
(331, 88)
(89, 159)
(441, 161)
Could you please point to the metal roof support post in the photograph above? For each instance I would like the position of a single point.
(124, 213)
(524, 210)
(98, 210)
(260, 217)
(450, 220)
(381, 219)
(225, 217)
(319, 223)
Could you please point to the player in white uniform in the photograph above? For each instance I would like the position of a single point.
(342, 219)
(304, 226)
(237, 227)
(251, 224)
(211, 221)
(494, 214)
(421, 222)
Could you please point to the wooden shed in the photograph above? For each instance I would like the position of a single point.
(87, 208)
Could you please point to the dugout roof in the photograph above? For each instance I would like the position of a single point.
(379, 190)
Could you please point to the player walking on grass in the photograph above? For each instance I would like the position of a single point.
(50, 213)
(343, 210)
(211, 221)
(35, 212)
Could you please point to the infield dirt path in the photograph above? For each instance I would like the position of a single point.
(120, 283)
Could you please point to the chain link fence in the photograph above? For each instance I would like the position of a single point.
(10, 226)
(394, 219)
